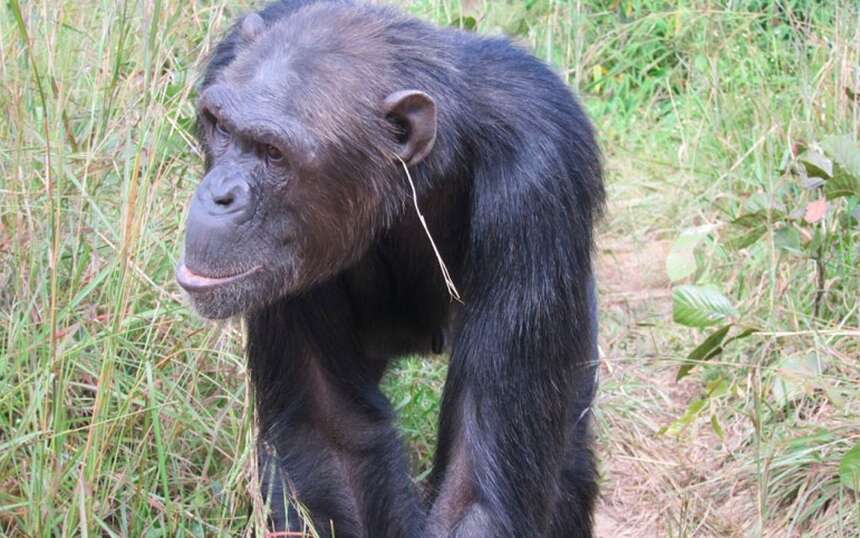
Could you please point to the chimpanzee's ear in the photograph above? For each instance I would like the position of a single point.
(414, 115)
(251, 27)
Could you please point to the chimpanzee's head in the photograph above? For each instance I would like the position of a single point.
(300, 130)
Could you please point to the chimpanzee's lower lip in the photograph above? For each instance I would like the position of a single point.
(193, 282)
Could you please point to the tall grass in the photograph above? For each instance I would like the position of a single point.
(121, 414)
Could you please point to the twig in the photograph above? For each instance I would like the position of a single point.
(820, 270)
(449, 283)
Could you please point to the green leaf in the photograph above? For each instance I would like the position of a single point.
(751, 220)
(749, 228)
(681, 261)
(715, 425)
(845, 153)
(842, 185)
(788, 239)
(711, 347)
(700, 306)
(718, 387)
(816, 164)
(794, 376)
(745, 238)
(743, 334)
(681, 423)
(849, 468)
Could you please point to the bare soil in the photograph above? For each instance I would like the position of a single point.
(654, 484)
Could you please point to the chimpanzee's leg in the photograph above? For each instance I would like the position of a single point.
(327, 426)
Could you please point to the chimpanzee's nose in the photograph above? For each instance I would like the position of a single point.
(226, 194)
(229, 197)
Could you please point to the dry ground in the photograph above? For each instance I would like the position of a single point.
(656, 484)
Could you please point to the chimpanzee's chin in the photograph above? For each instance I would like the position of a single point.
(233, 299)
(211, 307)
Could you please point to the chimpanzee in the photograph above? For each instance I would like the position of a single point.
(318, 118)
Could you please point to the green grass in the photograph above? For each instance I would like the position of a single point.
(122, 414)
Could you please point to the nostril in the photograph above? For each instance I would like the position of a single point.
(226, 199)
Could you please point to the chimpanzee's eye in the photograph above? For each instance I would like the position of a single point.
(219, 127)
(273, 153)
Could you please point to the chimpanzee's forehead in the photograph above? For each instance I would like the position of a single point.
(258, 67)
(301, 54)
(273, 68)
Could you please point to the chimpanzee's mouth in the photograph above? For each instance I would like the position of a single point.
(193, 282)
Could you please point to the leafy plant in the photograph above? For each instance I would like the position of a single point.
(814, 218)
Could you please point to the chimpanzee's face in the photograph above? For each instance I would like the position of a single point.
(293, 191)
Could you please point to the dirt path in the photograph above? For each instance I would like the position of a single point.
(654, 484)
(632, 283)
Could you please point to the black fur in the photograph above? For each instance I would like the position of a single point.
(511, 191)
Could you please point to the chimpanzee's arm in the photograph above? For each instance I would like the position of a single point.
(513, 457)
(327, 433)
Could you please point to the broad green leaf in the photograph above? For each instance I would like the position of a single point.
(788, 239)
(681, 261)
(849, 468)
(746, 237)
(794, 376)
(842, 185)
(749, 228)
(845, 153)
(700, 306)
(711, 347)
(816, 164)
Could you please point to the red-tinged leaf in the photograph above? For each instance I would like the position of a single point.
(815, 211)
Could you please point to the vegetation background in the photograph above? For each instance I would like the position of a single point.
(730, 397)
